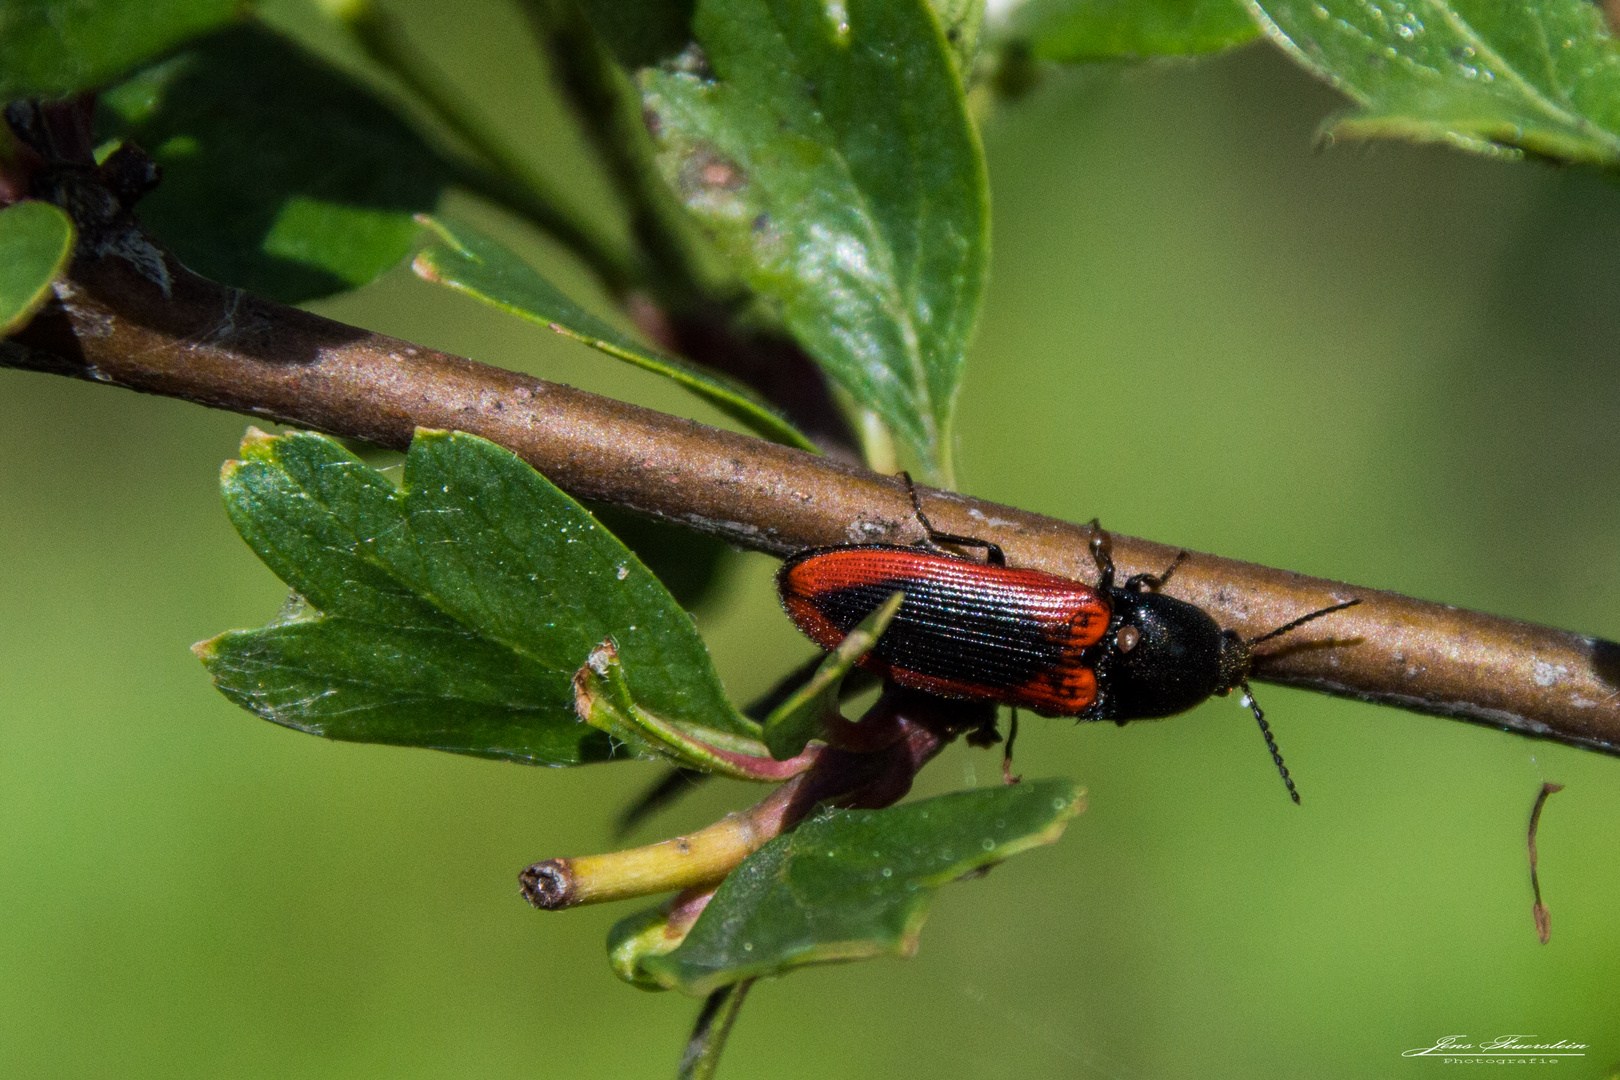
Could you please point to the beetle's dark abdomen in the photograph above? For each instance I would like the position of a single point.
(966, 629)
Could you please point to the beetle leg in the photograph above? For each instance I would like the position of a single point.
(985, 734)
(992, 551)
(1102, 553)
(1007, 776)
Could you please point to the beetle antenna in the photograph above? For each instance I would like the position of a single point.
(1271, 743)
(1299, 622)
(1138, 582)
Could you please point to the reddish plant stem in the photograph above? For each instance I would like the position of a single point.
(226, 349)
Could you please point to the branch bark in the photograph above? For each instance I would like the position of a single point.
(115, 322)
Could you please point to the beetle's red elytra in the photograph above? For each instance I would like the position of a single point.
(966, 629)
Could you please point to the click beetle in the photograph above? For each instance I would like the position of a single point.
(990, 632)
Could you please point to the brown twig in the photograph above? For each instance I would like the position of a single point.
(1543, 919)
(203, 342)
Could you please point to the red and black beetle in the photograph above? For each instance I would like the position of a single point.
(1026, 638)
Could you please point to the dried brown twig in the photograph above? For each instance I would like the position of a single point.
(1539, 910)
(193, 339)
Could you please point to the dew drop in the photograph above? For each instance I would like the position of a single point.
(1404, 30)
(1320, 11)
(988, 844)
(748, 946)
(624, 572)
(888, 872)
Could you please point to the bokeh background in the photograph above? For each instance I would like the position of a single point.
(1390, 365)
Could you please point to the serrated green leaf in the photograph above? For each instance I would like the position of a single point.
(36, 242)
(54, 48)
(1540, 76)
(792, 724)
(281, 174)
(451, 613)
(833, 160)
(856, 883)
(1075, 31)
(469, 262)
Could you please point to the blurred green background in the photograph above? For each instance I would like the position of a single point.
(1389, 365)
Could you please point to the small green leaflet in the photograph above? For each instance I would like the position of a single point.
(281, 174)
(1075, 31)
(55, 48)
(451, 613)
(1540, 76)
(469, 262)
(792, 724)
(846, 885)
(36, 242)
(832, 158)
(634, 938)
(769, 752)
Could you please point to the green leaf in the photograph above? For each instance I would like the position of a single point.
(641, 32)
(466, 260)
(961, 20)
(833, 160)
(856, 883)
(451, 613)
(1075, 31)
(692, 565)
(36, 242)
(54, 48)
(792, 724)
(1490, 77)
(281, 174)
